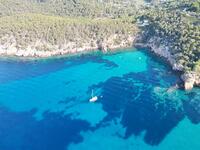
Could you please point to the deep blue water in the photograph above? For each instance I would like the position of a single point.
(44, 104)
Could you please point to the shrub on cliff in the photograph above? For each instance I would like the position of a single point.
(197, 67)
(177, 29)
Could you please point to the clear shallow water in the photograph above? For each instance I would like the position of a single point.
(44, 105)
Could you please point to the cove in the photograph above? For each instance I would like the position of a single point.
(44, 104)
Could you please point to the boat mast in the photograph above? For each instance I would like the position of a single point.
(92, 93)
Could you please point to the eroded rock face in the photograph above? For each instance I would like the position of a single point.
(198, 81)
(164, 51)
(188, 85)
(190, 80)
(41, 48)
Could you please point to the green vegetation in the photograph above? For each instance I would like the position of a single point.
(87, 8)
(58, 22)
(170, 25)
(197, 66)
(195, 6)
(55, 30)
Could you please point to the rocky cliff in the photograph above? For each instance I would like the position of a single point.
(41, 48)
(190, 79)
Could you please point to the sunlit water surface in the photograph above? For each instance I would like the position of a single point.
(44, 105)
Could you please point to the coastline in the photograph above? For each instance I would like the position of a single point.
(43, 49)
(67, 54)
(44, 55)
(190, 79)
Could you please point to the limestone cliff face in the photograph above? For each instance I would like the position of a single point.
(164, 51)
(190, 79)
(41, 48)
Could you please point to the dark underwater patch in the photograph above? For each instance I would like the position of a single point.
(131, 98)
(192, 110)
(20, 131)
(136, 105)
(14, 70)
(142, 115)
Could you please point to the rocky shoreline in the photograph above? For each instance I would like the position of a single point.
(42, 49)
(190, 79)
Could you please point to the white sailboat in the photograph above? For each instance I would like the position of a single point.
(93, 98)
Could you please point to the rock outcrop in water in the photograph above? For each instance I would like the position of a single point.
(190, 79)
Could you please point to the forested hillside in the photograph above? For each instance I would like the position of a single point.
(46, 25)
(87, 8)
(175, 26)
(53, 27)
(25, 30)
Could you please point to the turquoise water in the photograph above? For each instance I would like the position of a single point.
(44, 105)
